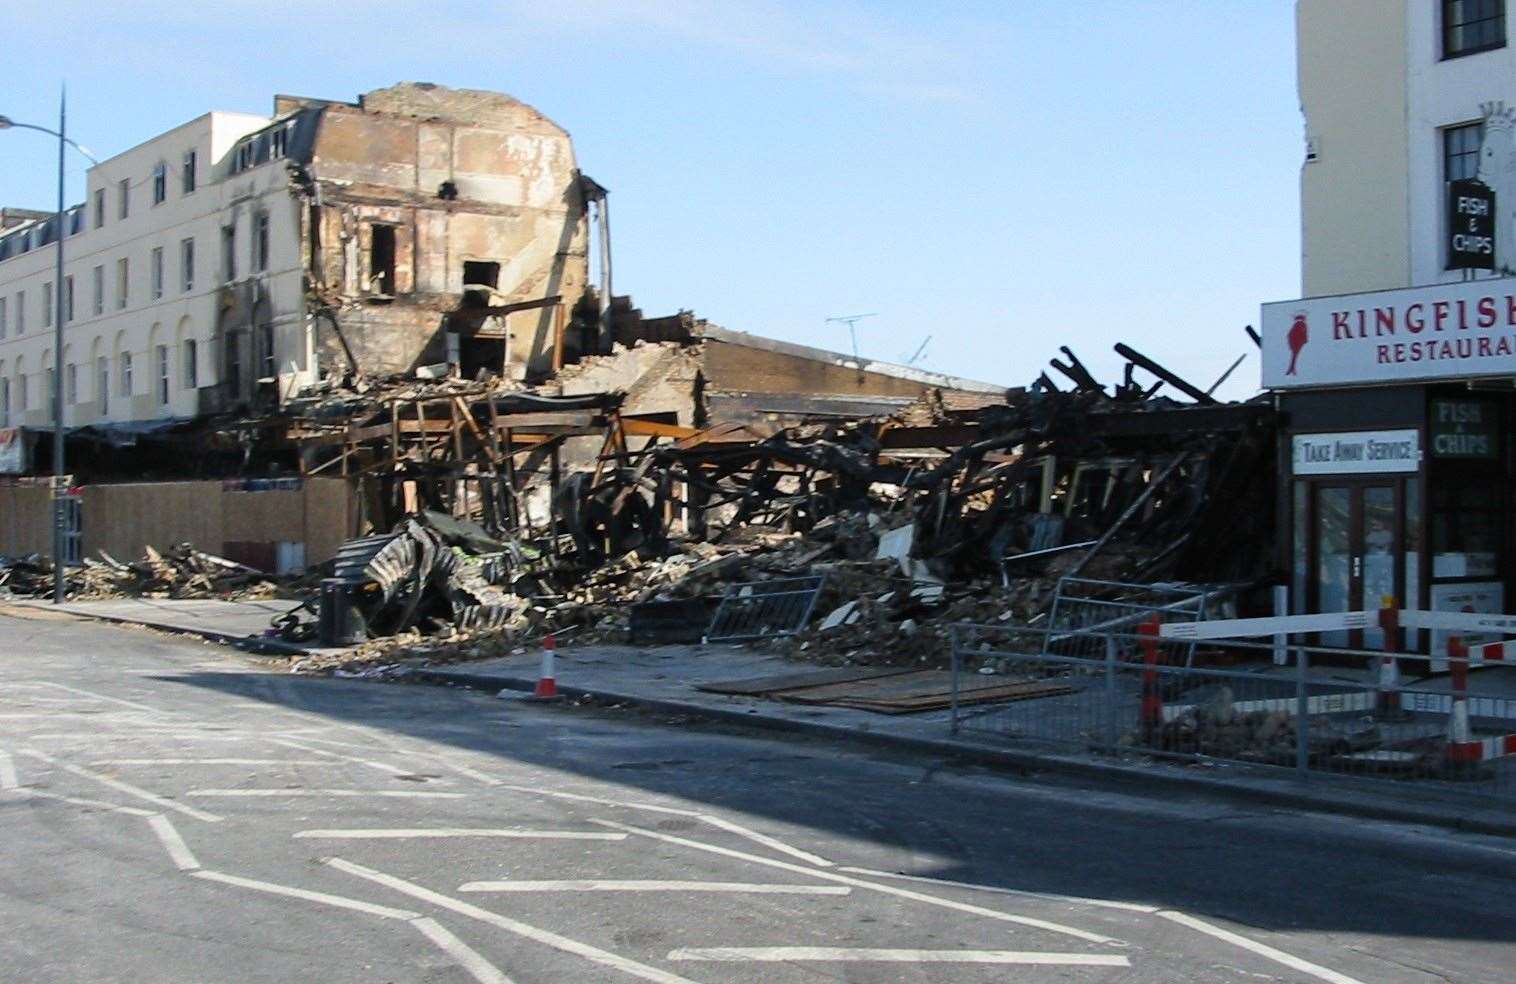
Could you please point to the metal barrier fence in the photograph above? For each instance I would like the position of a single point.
(761, 609)
(1083, 608)
(1328, 712)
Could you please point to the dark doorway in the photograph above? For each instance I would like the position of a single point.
(381, 261)
(479, 273)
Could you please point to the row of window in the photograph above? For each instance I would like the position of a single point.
(189, 378)
(260, 260)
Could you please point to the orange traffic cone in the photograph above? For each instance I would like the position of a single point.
(547, 684)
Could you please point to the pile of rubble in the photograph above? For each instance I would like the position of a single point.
(181, 572)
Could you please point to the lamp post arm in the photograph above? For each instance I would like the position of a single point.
(7, 123)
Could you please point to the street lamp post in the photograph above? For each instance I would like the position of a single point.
(60, 233)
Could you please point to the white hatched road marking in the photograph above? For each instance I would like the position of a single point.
(339, 901)
(714, 821)
(755, 888)
(177, 850)
(464, 770)
(127, 788)
(130, 811)
(401, 833)
(401, 793)
(94, 696)
(468, 958)
(872, 886)
(211, 761)
(777, 954)
(1262, 949)
(393, 770)
(1042, 896)
(546, 937)
(8, 777)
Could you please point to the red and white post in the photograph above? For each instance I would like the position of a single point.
(1387, 706)
(1462, 748)
(547, 681)
(1152, 696)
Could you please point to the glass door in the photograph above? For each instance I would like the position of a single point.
(1356, 541)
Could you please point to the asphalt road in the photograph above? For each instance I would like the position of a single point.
(173, 811)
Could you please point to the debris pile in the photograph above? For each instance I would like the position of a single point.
(180, 572)
(578, 518)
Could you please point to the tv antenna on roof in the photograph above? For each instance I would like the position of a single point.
(920, 351)
(850, 320)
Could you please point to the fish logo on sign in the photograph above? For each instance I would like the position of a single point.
(1298, 335)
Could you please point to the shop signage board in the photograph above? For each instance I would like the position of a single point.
(1447, 331)
(1483, 598)
(1471, 226)
(1357, 452)
(1463, 429)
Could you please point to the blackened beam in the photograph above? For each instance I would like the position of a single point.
(1076, 371)
(1154, 484)
(1253, 334)
(515, 306)
(946, 436)
(1193, 392)
(1179, 421)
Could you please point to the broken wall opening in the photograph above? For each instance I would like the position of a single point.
(381, 260)
(479, 273)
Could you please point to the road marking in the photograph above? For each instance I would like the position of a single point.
(408, 832)
(765, 840)
(543, 936)
(578, 798)
(130, 811)
(872, 886)
(715, 821)
(1042, 896)
(211, 761)
(1262, 949)
(409, 793)
(8, 777)
(130, 790)
(464, 770)
(468, 958)
(381, 766)
(772, 954)
(177, 850)
(94, 696)
(652, 886)
(339, 901)
(141, 735)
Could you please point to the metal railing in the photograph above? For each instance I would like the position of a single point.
(764, 609)
(1328, 712)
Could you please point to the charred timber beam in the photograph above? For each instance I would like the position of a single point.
(1179, 422)
(1178, 382)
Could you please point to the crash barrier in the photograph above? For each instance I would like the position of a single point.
(1083, 607)
(1209, 691)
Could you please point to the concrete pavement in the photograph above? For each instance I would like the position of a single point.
(176, 813)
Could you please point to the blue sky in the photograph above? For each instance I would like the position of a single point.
(1004, 177)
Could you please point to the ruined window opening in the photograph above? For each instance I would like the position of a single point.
(234, 362)
(260, 242)
(267, 369)
(479, 273)
(229, 252)
(381, 260)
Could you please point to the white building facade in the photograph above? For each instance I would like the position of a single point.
(1395, 370)
(164, 228)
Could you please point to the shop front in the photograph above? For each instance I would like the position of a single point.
(1395, 410)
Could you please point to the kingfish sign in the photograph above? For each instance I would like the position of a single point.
(1449, 331)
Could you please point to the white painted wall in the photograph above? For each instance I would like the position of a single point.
(145, 321)
(1377, 95)
(1442, 94)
